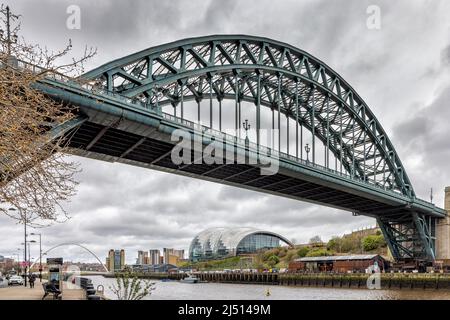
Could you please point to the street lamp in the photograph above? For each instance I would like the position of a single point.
(27, 257)
(40, 253)
(246, 127)
(307, 149)
(29, 251)
(9, 38)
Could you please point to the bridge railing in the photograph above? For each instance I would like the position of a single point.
(22, 65)
(57, 76)
(266, 150)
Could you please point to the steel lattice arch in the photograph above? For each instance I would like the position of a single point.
(267, 73)
(128, 109)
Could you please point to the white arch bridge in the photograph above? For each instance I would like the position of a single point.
(71, 244)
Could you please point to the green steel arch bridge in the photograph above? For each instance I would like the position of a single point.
(128, 109)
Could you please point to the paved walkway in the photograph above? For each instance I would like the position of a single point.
(22, 293)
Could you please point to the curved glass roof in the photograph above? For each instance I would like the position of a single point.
(224, 241)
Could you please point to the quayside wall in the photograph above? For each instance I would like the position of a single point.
(435, 281)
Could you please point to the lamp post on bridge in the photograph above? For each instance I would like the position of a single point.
(246, 127)
(307, 149)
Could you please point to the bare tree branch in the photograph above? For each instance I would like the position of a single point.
(36, 177)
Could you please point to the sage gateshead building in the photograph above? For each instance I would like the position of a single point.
(219, 243)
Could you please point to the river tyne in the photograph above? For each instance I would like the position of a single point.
(175, 290)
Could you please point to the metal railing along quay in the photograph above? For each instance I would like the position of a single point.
(432, 281)
(90, 292)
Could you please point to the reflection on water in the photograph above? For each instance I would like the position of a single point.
(175, 290)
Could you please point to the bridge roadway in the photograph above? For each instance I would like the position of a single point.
(113, 129)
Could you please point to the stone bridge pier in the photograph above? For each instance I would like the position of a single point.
(443, 231)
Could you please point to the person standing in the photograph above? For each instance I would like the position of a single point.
(32, 279)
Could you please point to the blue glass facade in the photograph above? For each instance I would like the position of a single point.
(253, 243)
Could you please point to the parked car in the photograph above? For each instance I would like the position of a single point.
(15, 280)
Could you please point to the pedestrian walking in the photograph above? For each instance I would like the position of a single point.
(32, 279)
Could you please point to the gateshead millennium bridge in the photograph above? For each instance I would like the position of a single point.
(128, 109)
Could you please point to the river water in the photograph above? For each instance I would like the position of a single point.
(175, 290)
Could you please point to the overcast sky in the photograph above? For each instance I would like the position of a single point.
(401, 70)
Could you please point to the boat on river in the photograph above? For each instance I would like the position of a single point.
(190, 279)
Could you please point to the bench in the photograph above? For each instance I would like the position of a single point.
(47, 291)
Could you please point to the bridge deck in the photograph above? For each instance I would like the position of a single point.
(124, 147)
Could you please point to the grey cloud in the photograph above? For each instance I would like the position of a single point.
(136, 228)
(218, 13)
(425, 134)
(445, 56)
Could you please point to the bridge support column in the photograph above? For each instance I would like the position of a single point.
(409, 235)
(443, 231)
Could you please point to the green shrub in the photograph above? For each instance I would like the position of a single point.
(334, 244)
(373, 242)
(348, 244)
(302, 252)
(267, 254)
(289, 256)
(273, 260)
(321, 252)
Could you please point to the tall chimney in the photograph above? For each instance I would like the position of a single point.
(443, 231)
(447, 199)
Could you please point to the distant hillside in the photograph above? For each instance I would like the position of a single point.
(367, 241)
